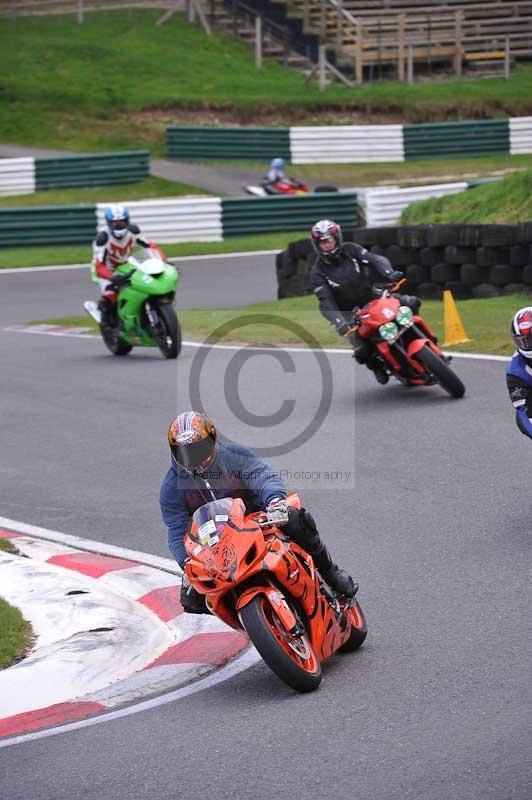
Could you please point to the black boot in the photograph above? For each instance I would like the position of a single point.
(192, 601)
(338, 579)
(381, 376)
(301, 527)
(105, 307)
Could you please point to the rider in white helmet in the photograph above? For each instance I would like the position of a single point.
(519, 372)
(112, 247)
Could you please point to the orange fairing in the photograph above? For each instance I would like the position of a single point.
(232, 559)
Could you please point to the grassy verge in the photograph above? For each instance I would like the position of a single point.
(57, 72)
(143, 190)
(15, 632)
(80, 254)
(425, 170)
(486, 323)
(507, 201)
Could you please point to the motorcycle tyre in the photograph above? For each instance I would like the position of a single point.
(114, 342)
(169, 319)
(260, 632)
(359, 631)
(450, 382)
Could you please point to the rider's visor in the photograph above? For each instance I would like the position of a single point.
(524, 341)
(195, 455)
(119, 224)
(327, 244)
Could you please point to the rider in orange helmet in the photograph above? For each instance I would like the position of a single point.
(205, 469)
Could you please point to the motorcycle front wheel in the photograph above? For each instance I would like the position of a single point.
(168, 338)
(114, 342)
(443, 374)
(291, 657)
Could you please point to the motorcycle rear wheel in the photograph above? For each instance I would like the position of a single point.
(114, 342)
(359, 630)
(443, 374)
(169, 341)
(292, 658)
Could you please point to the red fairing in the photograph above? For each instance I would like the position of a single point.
(377, 313)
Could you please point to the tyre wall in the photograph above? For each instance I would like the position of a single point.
(470, 260)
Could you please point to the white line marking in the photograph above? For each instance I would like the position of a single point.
(239, 664)
(261, 349)
(158, 562)
(172, 259)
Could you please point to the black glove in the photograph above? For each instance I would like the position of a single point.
(396, 276)
(342, 328)
(192, 601)
(118, 281)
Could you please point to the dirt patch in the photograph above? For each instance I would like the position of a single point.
(334, 114)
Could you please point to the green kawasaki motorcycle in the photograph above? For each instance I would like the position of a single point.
(144, 312)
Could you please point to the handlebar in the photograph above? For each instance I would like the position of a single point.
(263, 521)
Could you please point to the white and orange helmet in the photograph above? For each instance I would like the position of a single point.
(193, 441)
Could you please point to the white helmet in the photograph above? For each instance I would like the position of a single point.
(521, 330)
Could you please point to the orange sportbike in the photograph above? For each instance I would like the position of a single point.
(254, 577)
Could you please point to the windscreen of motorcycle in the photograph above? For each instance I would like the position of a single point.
(209, 520)
(147, 262)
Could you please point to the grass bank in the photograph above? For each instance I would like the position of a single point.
(15, 632)
(79, 254)
(90, 91)
(143, 190)
(507, 201)
(486, 323)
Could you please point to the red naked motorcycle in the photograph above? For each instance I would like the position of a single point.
(406, 346)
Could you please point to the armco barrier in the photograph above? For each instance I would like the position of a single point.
(17, 176)
(101, 169)
(520, 135)
(384, 206)
(47, 225)
(203, 141)
(470, 260)
(353, 143)
(196, 219)
(349, 144)
(434, 140)
(243, 215)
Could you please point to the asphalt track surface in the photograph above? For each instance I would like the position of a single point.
(214, 282)
(435, 524)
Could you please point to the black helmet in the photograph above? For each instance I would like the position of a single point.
(326, 238)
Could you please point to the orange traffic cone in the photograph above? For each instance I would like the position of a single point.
(453, 328)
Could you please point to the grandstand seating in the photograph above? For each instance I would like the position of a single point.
(464, 32)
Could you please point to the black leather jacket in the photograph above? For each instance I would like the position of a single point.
(347, 282)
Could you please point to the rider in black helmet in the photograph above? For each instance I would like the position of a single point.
(346, 277)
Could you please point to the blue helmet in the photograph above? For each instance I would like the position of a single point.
(117, 218)
(277, 163)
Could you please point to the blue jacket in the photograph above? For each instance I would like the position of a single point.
(235, 472)
(519, 382)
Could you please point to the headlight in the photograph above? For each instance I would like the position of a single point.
(389, 331)
(405, 316)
